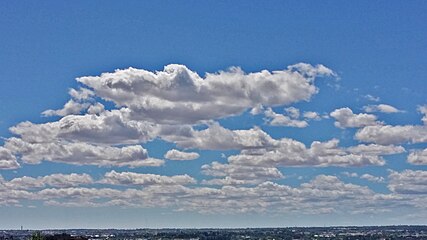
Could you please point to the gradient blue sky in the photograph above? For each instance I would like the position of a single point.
(368, 56)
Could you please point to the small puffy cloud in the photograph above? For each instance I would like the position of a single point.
(75, 105)
(311, 72)
(130, 178)
(384, 108)
(276, 119)
(423, 110)
(312, 115)
(388, 134)
(257, 110)
(179, 95)
(81, 94)
(174, 154)
(71, 107)
(80, 153)
(408, 182)
(345, 118)
(372, 178)
(418, 157)
(293, 112)
(349, 174)
(216, 137)
(7, 159)
(371, 98)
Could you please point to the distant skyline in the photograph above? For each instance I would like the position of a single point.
(212, 114)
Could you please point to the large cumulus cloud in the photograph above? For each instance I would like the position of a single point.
(179, 95)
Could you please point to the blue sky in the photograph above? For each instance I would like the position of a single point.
(221, 115)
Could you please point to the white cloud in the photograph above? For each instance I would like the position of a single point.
(174, 154)
(388, 134)
(375, 149)
(80, 153)
(372, 178)
(81, 139)
(320, 195)
(228, 181)
(13, 197)
(179, 95)
(312, 115)
(348, 174)
(97, 108)
(71, 107)
(345, 118)
(293, 153)
(130, 178)
(165, 105)
(276, 119)
(216, 137)
(384, 108)
(423, 110)
(7, 159)
(53, 180)
(262, 198)
(418, 157)
(311, 72)
(255, 165)
(408, 182)
(114, 127)
(109, 127)
(81, 94)
(293, 112)
(257, 110)
(75, 105)
(371, 98)
(77, 193)
(239, 174)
